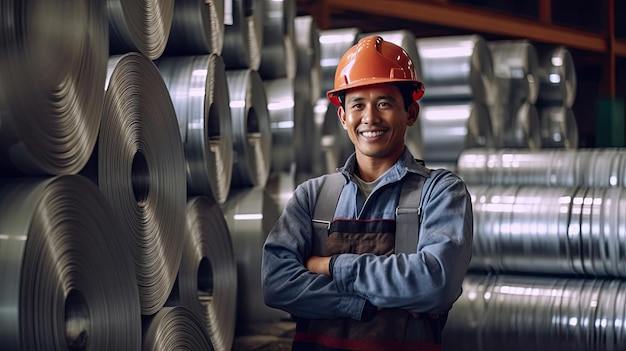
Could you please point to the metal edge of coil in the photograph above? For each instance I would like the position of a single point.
(309, 71)
(50, 103)
(197, 28)
(285, 128)
(278, 52)
(252, 134)
(198, 88)
(61, 287)
(175, 328)
(141, 171)
(143, 27)
(243, 39)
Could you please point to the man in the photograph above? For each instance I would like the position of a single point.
(361, 290)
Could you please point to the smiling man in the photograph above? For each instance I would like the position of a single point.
(374, 256)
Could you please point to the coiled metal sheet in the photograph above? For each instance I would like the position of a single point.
(517, 61)
(65, 274)
(450, 128)
(175, 328)
(252, 135)
(283, 123)
(333, 44)
(199, 91)
(456, 67)
(207, 279)
(142, 26)
(50, 84)
(595, 167)
(308, 69)
(278, 53)
(498, 312)
(335, 144)
(243, 39)
(250, 213)
(141, 171)
(197, 28)
(516, 125)
(558, 81)
(559, 128)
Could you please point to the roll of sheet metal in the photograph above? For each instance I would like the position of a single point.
(66, 282)
(537, 313)
(449, 128)
(278, 53)
(252, 135)
(141, 171)
(207, 279)
(198, 88)
(517, 61)
(524, 130)
(557, 76)
(243, 38)
(549, 230)
(456, 67)
(335, 144)
(175, 328)
(250, 213)
(594, 167)
(308, 68)
(197, 28)
(333, 44)
(142, 26)
(559, 128)
(283, 123)
(404, 39)
(52, 68)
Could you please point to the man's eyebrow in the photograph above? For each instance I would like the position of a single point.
(381, 97)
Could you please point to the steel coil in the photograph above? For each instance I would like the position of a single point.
(278, 52)
(142, 26)
(558, 81)
(559, 128)
(335, 144)
(65, 258)
(207, 279)
(283, 123)
(197, 28)
(518, 62)
(449, 128)
(141, 171)
(175, 328)
(252, 135)
(456, 67)
(250, 213)
(243, 36)
(52, 68)
(308, 69)
(199, 91)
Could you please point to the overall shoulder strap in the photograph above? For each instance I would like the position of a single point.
(408, 214)
(325, 205)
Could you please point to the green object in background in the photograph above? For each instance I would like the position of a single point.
(610, 123)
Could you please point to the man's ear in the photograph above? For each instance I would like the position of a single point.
(341, 113)
(413, 111)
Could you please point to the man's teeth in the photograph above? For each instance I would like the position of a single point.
(372, 134)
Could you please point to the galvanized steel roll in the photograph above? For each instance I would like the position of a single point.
(335, 144)
(142, 26)
(66, 281)
(278, 52)
(558, 81)
(449, 128)
(283, 123)
(308, 68)
(53, 56)
(250, 213)
(521, 127)
(333, 44)
(252, 135)
(559, 128)
(141, 171)
(517, 61)
(175, 328)
(497, 312)
(207, 279)
(456, 67)
(197, 28)
(243, 38)
(198, 88)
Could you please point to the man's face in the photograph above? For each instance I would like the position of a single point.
(376, 121)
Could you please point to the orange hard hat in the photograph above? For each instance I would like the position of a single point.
(372, 60)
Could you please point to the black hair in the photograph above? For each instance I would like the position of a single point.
(406, 91)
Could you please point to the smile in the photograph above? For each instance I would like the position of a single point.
(372, 134)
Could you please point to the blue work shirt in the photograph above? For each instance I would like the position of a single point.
(426, 281)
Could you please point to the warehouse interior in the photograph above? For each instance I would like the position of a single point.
(147, 148)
